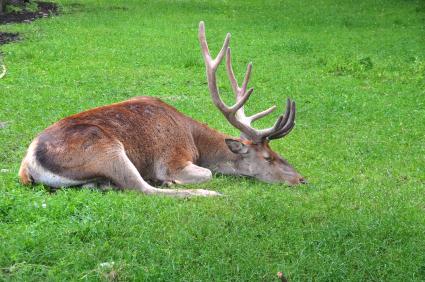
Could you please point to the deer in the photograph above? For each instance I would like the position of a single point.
(141, 141)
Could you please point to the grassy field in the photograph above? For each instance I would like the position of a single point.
(357, 72)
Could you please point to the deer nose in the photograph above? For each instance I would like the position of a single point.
(302, 180)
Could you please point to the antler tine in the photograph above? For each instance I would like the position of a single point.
(211, 67)
(239, 91)
(262, 114)
(283, 125)
(268, 131)
(286, 116)
(213, 64)
(247, 77)
(289, 122)
(241, 101)
(230, 73)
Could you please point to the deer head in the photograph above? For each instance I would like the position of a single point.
(254, 156)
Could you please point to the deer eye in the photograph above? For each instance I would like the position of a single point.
(269, 159)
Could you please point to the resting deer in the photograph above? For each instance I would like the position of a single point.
(142, 140)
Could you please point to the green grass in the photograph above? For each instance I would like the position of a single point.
(357, 72)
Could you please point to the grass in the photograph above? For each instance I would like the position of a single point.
(357, 73)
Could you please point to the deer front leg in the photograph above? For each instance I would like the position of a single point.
(125, 175)
(192, 174)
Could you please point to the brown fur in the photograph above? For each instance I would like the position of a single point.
(24, 176)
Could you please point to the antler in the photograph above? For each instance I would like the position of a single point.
(235, 114)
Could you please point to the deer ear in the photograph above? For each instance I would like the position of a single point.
(236, 146)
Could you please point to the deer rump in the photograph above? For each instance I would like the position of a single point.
(143, 140)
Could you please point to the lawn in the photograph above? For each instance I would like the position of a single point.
(357, 72)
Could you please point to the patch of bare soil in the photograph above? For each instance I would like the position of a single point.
(6, 37)
(44, 9)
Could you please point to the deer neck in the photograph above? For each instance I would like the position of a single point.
(213, 151)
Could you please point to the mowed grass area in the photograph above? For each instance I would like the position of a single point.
(357, 72)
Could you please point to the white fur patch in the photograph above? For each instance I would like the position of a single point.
(193, 174)
(43, 176)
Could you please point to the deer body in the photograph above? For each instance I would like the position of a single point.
(157, 139)
(143, 140)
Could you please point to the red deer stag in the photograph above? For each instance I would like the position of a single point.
(141, 140)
